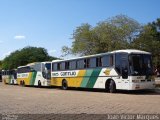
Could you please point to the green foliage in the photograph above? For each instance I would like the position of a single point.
(149, 40)
(25, 56)
(119, 32)
(0, 65)
(115, 33)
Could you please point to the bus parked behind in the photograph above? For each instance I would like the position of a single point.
(34, 74)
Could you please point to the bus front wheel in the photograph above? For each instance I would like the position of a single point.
(64, 85)
(112, 87)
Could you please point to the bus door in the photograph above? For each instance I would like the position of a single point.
(46, 72)
(121, 66)
(124, 70)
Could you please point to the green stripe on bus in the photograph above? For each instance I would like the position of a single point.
(86, 78)
(33, 77)
(93, 78)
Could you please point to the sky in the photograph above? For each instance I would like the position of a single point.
(51, 23)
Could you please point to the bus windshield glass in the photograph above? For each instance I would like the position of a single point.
(48, 66)
(140, 64)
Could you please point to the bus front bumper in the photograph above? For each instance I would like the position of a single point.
(142, 86)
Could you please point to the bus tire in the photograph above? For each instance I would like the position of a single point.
(23, 83)
(107, 85)
(64, 85)
(20, 83)
(112, 87)
(39, 84)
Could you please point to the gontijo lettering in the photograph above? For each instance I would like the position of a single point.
(64, 74)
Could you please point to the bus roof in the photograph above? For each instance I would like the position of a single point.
(30, 64)
(116, 51)
(131, 51)
(34, 63)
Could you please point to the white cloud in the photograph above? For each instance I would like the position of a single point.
(51, 52)
(19, 37)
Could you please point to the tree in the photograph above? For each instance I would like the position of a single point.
(25, 56)
(83, 40)
(0, 64)
(149, 40)
(115, 33)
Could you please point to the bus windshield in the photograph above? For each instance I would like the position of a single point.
(140, 64)
(48, 66)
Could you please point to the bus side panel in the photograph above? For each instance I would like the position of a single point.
(100, 82)
(86, 78)
(4, 79)
(93, 78)
(39, 77)
(105, 74)
(56, 81)
(7, 80)
(27, 80)
(76, 81)
(32, 78)
(26, 77)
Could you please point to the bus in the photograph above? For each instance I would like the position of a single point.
(9, 76)
(34, 74)
(117, 70)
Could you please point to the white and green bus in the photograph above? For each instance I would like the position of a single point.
(116, 70)
(34, 74)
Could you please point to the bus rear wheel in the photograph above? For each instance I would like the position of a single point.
(64, 85)
(22, 83)
(112, 87)
(39, 83)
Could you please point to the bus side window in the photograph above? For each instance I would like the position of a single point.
(105, 61)
(98, 61)
(86, 63)
(55, 66)
(67, 65)
(80, 64)
(58, 66)
(62, 66)
(92, 62)
(111, 60)
(72, 65)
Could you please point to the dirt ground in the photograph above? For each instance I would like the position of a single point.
(30, 100)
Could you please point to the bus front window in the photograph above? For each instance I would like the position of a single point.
(140, 64)
(147, 65)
